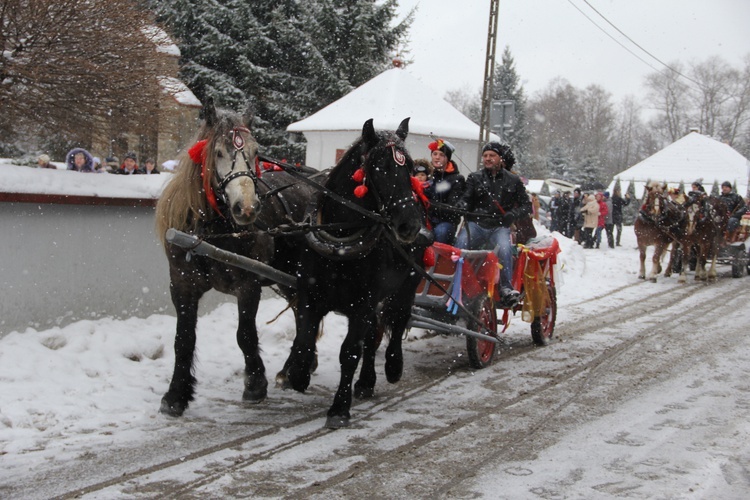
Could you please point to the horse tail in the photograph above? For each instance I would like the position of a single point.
(182, 203)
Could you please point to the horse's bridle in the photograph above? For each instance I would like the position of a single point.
(385, 206)
(253, 171)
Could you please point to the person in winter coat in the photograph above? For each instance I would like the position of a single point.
(129, 165)
(576, 217)
(447, 187)
(44, 162)
(563, 214)
(617, 203)
(735, 204)
(590, 213)
(603, 211)
(80, 160)
(609, 224)
(495, 198)
(149, 167)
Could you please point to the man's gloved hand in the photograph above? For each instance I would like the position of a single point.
(462, 205)
(508, 218)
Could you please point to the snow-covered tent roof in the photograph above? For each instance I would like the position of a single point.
(694, 156)
(389, 98)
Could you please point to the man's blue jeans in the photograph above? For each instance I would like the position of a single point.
(444, 232)
(498, 238)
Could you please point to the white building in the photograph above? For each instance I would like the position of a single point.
(694, 156)
(389, 98)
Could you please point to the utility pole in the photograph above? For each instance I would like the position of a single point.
(489, 75)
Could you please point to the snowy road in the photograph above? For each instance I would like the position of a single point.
(643, 375)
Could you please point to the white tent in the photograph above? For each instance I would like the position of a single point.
(389, 98)
(693, 157)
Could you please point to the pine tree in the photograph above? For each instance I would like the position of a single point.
(288, 58)
(589, 173)
(558, 163)
(506, 86)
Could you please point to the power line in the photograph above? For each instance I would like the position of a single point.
(638, 45)
(627, 37)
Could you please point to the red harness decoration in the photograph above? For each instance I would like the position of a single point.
(197, 153)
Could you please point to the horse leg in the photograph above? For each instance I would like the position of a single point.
(672, 257)
(656, 262)
(182, 387)
(642, 269)
(365, 385)
(256, 385)
(700, 270)
(351, 351)
(712, 272)
(683, 266)
(302, 355)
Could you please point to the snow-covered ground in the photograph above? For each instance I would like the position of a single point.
(97, 384)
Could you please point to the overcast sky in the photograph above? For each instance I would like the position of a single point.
(551, 38)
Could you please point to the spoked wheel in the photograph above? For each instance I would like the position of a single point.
(480, 351)
(543, 326)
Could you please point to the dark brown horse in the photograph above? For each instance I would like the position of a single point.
(659, 223)
(707, 218)
(218, 195)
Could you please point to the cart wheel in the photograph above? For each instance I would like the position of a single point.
(739, 263)
(480, 351)
(543, 326)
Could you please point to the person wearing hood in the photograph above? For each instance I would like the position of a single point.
(495, 198)
(447, 187)
(590, 213)
(80, 160)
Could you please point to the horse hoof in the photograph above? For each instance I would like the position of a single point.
(653, 280)
(254, 396)
(393, 370)
(641, 277)
(282, 381)
(337, 422)
(256, 389)
(175, 409)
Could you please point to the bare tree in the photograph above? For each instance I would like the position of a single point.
(669, 97)
(75, 65)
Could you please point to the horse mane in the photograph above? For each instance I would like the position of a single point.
(183, 204)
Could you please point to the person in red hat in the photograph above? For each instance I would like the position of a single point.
(447, 187)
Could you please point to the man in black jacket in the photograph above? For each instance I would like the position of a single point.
(735, 204)
(495, 198)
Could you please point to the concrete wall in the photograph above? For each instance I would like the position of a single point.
(61, 263)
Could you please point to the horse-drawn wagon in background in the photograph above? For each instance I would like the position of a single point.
(736, 249)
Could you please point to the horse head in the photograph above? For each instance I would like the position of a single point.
(229, 159)
(387, 168)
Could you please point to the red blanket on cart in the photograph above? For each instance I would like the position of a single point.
(478, 274)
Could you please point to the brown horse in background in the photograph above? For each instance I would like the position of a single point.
(707, 218)
(659, 223)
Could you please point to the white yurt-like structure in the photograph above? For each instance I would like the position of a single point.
(389, 98)
(693, 157)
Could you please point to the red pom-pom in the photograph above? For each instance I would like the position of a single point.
(358, 175)
(429, 257)
(197, 152)
(360, 191)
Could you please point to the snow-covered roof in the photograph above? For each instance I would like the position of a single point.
(162, 40)
(694, 156)
(179, 91)
(389, 98)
